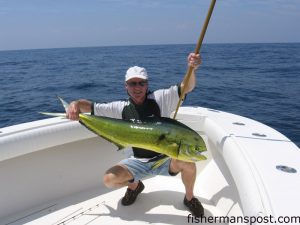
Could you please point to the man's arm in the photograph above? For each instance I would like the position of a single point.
(194, 61)
(79, 106)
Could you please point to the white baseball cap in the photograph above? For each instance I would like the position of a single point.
(136, 72)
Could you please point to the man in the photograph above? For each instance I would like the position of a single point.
(142, 104)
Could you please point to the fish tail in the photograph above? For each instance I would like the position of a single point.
(64, 103)
(53, 114)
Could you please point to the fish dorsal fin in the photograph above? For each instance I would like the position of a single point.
(166, 120)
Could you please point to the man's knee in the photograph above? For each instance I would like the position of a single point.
(109, 180)
(180, 166)
(190, 167)
(116, 176)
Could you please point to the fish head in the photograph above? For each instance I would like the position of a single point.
(192, 150)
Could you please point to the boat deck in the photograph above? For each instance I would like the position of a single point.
(155, 205)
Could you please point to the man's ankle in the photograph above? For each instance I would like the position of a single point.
(133, 186)
(189, 196)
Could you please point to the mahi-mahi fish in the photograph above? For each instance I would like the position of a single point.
(162, 135)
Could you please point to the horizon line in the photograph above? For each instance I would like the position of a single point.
(132, 45)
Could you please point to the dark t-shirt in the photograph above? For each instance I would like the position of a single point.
(160, 103)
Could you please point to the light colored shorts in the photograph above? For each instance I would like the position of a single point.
(141, 170)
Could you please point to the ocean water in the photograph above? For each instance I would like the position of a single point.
(259, 81)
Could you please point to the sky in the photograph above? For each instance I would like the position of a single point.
(35, 24)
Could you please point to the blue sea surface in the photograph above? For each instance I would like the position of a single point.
(259, 81)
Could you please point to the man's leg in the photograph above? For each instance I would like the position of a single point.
(188, 176)
(119, 176)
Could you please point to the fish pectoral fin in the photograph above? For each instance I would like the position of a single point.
(162, 137)
(159, 162)
(178, 149)
(120, 147)
(203, 157)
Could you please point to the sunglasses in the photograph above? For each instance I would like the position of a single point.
(134, 83)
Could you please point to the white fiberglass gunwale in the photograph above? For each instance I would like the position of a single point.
(52, 173)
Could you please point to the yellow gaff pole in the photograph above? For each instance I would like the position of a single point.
(197, 49)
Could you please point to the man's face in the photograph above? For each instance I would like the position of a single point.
(137, 89)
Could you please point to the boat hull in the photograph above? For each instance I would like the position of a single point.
(53, 165)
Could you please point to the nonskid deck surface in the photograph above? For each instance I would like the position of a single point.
(160, 203)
